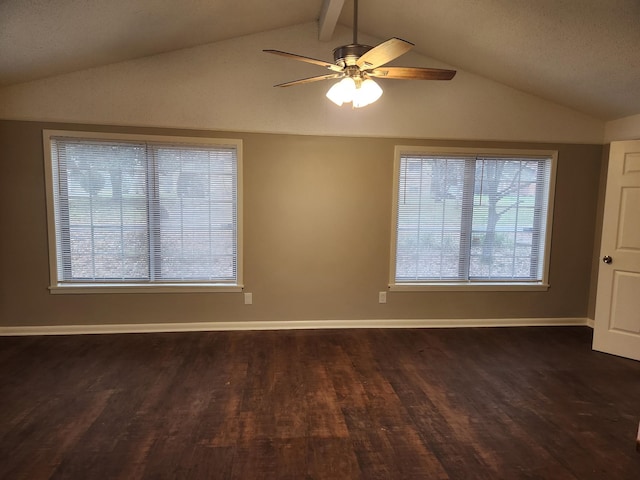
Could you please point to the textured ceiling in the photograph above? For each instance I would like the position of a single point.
(584, 54)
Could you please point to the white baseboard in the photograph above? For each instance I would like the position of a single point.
(290, 325)
(591, 322)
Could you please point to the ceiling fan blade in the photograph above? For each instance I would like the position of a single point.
(384, 53)
(322, 63)
(412, 73)
(310, 80)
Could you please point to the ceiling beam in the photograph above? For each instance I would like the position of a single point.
(329, 18)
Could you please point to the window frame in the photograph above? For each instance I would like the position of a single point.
(58, 287)
(460, 285)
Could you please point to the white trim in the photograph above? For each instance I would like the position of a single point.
(290, 325)
(75, 289)
(469, 287)
(135, 137)
(394, 215)
(474, 151)
(591, 323)
(550, 212)
(50, 207)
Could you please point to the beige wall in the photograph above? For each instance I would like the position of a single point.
(627, 128)
(591, 311)
(228, 85)
(317, 225)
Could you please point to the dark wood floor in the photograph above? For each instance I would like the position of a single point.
(504, 403)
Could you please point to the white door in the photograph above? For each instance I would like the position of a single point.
(617, 323)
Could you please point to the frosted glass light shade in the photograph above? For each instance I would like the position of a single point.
(342, 92)
(368, 93)
(346, 91)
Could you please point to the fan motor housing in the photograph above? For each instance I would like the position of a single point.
(347, 55)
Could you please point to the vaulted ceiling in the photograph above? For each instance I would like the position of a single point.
(584, 54)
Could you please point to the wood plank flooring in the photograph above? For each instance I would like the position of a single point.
(494, 403)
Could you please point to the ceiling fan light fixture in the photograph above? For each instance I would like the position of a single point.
(361, 93)
(355, 63)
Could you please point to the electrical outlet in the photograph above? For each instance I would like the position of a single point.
(248, 298)
(382, 297)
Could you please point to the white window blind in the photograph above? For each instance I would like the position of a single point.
(465, 218)
(144, 212)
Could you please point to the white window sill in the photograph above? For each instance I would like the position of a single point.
(469, 287)
(81, 288)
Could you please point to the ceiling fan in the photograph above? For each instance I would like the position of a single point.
(355, 64)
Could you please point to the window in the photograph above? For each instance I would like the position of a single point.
(143, 213)
(464, 217)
